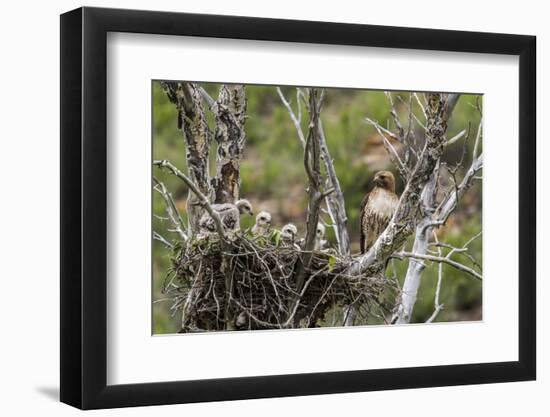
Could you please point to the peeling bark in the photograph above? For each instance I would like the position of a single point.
(230, 113)
(192, 119)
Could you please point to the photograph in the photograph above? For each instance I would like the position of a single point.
(293, 207)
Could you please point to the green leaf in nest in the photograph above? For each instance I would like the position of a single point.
(275, 237)
(331, 263)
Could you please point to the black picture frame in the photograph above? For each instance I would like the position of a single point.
(84, 207)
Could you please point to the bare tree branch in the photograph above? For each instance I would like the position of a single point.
(456, 137)
(295, 120)
(335, 200)
(394, 155)
(452, 99)
(434, 217)
(403, 222)
(312, 156)
(450, 202)
(171, 209)
(163, 240)
(202, 200)
(420, 104)
(411, 283)
(478, 139)
(437, 306)
(191, 118)
(393, 112)
(207, 98)
(445, 260)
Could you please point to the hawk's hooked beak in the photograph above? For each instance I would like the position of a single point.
(380, 181)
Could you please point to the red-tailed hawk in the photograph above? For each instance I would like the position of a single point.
(262, 225)
(288, 235)
(229, 215)
(377, 208)
(320, 242)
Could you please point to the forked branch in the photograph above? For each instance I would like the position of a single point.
(202, 200)
(335, 201)
(171, 209)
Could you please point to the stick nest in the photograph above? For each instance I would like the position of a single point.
(260, 277)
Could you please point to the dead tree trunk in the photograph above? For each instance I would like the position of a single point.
(191, 117)
(312, 159)
(416, 266)
(312, 154)
(230, 113)
(335, 201)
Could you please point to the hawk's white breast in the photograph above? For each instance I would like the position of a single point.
(383, 203)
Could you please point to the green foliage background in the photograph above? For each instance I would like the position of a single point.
(273, 178)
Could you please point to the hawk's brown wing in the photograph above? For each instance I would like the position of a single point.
(363, 239)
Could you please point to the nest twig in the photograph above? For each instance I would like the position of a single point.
(261, 274)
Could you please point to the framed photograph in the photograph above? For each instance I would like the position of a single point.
(258, 208)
